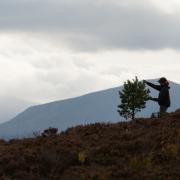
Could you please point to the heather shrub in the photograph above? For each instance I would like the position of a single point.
(49, 132)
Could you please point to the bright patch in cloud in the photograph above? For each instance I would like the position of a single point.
(172, 6)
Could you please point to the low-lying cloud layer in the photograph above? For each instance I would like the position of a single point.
(39, 72)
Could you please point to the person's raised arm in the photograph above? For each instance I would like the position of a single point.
(157, 87)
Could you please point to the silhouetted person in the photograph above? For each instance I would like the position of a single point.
(164, 97)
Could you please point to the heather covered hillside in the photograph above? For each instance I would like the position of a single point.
(144, 148)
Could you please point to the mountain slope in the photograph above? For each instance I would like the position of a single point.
(144, 148)
(11, 106)
(96, 107)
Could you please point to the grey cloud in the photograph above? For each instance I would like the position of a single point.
(88, 25)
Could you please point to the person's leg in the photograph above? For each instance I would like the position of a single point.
(163, 110)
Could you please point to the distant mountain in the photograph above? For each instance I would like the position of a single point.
(95, 107)
(11, 106)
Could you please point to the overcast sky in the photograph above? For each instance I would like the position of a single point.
(56, 49)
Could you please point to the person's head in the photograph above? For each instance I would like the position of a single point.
(163, 81)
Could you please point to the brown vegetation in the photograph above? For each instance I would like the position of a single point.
(143, 148)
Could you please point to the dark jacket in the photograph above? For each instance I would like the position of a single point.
(164, 97)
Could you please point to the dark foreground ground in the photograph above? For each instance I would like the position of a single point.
(144, 148)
